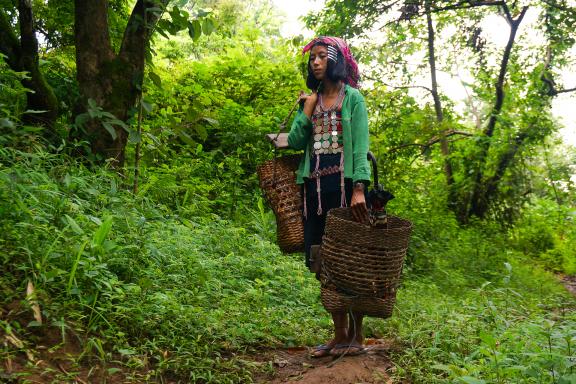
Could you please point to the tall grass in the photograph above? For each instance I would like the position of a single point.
(179, 289)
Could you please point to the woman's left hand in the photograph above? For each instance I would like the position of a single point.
(358, 206)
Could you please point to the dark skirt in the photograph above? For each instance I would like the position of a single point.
(330, 197)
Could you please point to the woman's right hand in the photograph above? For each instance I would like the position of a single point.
(310, 101)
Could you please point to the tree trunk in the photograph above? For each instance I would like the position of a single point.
(113, 81)
(438, 109)
(22, 55)
(484, 190)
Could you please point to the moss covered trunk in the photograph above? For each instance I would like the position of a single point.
(22, 55)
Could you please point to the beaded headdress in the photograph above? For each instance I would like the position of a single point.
(340, 45)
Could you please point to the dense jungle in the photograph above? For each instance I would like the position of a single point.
(135, 242)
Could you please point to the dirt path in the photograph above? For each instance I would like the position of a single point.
(295, 366)
(570, 283)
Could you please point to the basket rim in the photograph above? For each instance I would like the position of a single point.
(335, 214)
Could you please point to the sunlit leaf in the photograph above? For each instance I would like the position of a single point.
(110, 130)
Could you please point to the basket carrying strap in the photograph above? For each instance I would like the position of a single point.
(281, 128)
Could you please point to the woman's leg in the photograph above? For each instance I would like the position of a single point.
(355, 332)
(340, 320)
(355, 340)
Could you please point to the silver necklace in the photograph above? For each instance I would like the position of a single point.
(336, 103)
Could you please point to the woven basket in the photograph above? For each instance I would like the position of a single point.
(361, 265)
(278, 182)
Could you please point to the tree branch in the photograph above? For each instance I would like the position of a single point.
(433, 140)
(467, 5)
(489, 131)
(565, 90)
(505, 160)
(437, 102)
(140, 27)
(507, 13)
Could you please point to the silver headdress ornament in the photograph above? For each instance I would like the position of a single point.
(332, 53)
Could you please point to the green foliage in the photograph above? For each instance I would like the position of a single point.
(141, 280)
(12, 109)
(183, 278)
(493, 333)
(546, 233)
(175, 290)
(500, 127)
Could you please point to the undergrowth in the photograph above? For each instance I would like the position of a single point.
(170, 286)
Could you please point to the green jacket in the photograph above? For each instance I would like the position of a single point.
(355, 138)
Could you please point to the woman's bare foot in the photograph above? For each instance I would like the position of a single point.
(350, 348)
(322, 349)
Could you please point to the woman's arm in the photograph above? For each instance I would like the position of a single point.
(301, 126)
(360, 141)
(361, 175)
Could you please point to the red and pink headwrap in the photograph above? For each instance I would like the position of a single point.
(340, 44)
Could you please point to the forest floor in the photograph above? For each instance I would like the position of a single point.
(294, 365)
(46, 360)
(570, 283)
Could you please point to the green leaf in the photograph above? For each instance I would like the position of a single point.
(102, 232)
(471, 380)
(127, 352)
(6, 123)
(441, 367)
(120, 123)
(134, 137)
(146, 105)
(75, 266)
(81, 119)
(201, 131)
(487, 339)
(110, 130)
(569, 379)
(74, 225)
(34, 111)
(92, 104)
(207, 26)
(34, 323)
(155, 79)
(194, 29)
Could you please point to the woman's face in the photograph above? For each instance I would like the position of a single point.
(319, 61)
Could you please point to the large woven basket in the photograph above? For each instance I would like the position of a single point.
(278, 182)
(361, 265)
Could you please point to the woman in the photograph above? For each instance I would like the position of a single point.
(332, 129)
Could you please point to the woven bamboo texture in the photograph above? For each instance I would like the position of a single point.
(362, 265)
(278, 183)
